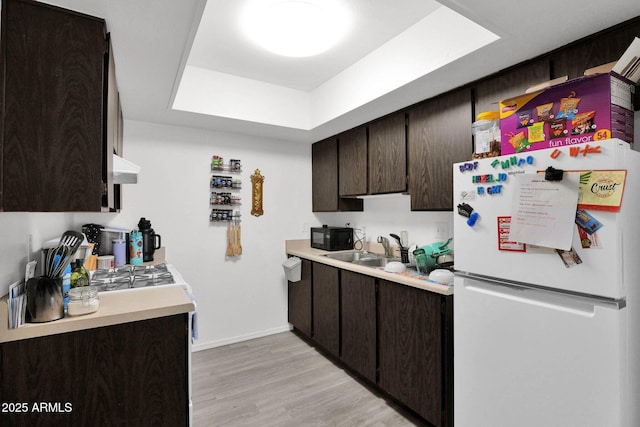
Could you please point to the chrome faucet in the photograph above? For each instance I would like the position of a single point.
(385, 244)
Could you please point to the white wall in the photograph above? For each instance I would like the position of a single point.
(14, 229)
(239, 298)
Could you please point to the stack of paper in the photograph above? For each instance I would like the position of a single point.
(17, 304)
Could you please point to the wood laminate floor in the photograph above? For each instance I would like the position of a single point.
(282, 381)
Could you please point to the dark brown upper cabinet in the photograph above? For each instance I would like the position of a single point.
(439, 135)
(113, 134)
(509, 83)
(53, 128)
(352, 159)
(438, 130)
(388, 155)
(324, 179)
(599, 49)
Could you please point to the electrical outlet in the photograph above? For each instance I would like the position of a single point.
(442, 230)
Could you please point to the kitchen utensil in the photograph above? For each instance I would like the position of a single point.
(432, 252)
(404, 237)
(398, 239)
(395, 267)
(237, 246)
(442, 276)
(58, 258)
(72, 239)
(45, 301)
(422, 261)
(91, 261)
(404, 252)
(440, 248)
(92, 231)
(229, 241)
(412, 259)
(445, 261)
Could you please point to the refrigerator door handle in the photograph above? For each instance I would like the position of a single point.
(574, 304)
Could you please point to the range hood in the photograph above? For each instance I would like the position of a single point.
(124, 172)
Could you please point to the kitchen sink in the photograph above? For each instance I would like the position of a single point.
(368, 259)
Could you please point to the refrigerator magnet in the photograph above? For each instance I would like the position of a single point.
(588, 241)
(587, 222)
(601, 189)
(504, 241)
(569, 258)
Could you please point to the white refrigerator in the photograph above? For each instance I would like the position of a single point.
(542, 339)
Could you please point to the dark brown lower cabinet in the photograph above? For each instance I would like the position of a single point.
(326, 307)
(398, 337)
(133, 374)
(416, 350)
(358, 316)
(300, 301)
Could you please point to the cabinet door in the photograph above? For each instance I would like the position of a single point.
(410, 348)
(439, 135)
(133, 374)
(510, 83)
(324, 179)
(352, 159)
(113, 130)
(596, 50)
(326, 307)
(52, 140)
(324, 176)
(358, 320)
(388, 155)
(300, 300)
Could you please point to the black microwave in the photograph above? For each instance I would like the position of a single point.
(332, 238)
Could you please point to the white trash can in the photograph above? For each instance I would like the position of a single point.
(293, 269)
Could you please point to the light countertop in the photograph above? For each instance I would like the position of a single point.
(116, 307)
(302, 249)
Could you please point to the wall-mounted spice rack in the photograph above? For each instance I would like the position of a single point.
(223, 199)
(218, 164)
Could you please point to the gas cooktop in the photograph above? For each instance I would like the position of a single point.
(127, 277)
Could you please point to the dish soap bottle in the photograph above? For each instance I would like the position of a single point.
(79, 274)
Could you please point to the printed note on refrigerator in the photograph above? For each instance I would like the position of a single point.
(544, 212)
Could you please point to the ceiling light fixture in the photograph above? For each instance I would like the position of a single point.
(295, 28)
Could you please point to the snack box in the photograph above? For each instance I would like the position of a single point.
(578, 111)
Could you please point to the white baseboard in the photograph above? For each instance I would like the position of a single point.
(232, 340)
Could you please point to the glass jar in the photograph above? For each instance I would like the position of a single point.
(83, 300)
(486, 133)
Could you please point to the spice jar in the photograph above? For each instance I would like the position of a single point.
(486, 132)
(83, 300)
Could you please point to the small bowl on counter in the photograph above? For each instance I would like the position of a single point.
(441, 276)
